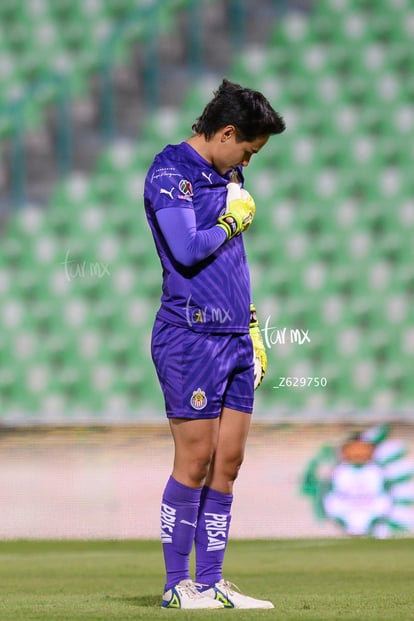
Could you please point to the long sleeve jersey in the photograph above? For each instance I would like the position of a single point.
(206, 282)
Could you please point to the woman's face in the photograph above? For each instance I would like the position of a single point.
(228, 153)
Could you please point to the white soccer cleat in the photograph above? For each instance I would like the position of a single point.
(186, 596)
(229, 595)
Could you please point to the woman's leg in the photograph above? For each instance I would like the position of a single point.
(195, 442)
(217, 496)
(228, 457)
(215, 512)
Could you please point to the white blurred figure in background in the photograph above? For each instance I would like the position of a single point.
(358, 499)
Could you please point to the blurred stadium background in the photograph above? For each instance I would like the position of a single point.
(90, 90)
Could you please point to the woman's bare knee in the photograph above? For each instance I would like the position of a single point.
(223, 473)
(196, 471)
(232, 470)
(195, 444)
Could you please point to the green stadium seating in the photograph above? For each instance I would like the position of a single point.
(44, 42)
(331, 248)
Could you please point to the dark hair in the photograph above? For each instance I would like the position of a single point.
(249, 111)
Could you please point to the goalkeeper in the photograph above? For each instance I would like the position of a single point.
(206, 343)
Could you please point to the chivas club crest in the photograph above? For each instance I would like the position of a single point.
(198, 400)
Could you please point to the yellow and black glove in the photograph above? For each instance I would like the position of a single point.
(239, 212)
(260, 356)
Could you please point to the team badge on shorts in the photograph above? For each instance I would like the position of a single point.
(198, 400)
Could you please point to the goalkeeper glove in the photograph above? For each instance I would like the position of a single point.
(259, 355)
(240, 211)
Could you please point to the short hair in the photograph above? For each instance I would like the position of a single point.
(248, 110)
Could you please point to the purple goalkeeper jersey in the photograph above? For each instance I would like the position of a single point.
(212, 294)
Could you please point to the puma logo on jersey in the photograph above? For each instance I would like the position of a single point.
(168, 192)
(208, 177)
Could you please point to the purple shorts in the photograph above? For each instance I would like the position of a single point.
(201, 372)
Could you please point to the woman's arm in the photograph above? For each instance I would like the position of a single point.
(188, 246)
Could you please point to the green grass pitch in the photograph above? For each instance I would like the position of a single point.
(313, 580)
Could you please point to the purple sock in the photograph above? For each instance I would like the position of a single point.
(179, 512)
(212, 535)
